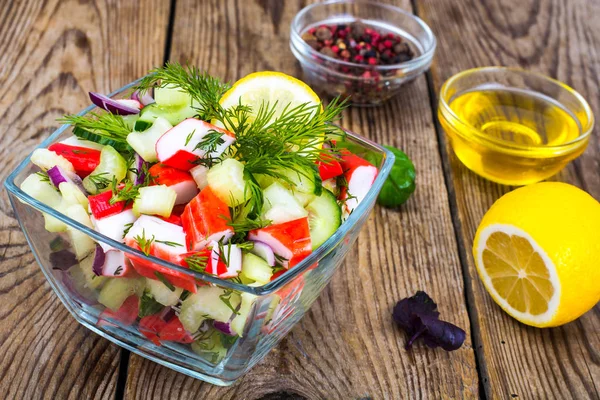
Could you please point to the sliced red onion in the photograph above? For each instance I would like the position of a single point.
(112, 106)
(62, 259)
(58, 175)
(224, 327)
(264, 251)
(140, 166)
(99, 259)
(144, 98)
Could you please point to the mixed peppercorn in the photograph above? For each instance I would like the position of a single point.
(364, 47)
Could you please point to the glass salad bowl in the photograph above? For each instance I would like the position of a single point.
(269, 311)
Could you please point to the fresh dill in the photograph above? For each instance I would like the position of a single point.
(100, 181)
(119, 270)
(197, 262)
(210, 142)
(127, 191)
(164, 280)
(168, 243)
(144, 243)
(205, 90)
(109, 126)
(189, 137)
(226, 298)
(127, 228)
(43, 176)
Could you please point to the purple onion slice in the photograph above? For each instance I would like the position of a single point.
(112, 106)
(99, 259)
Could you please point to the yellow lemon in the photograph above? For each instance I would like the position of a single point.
(269, 87)
(537, 251)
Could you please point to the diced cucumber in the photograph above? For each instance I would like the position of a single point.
(141, 126)
(79, 284)
(238, 323)
(210, 346)
(42, 190)
(324, 217)
(162, 293)
(112, 165)
(172, 114)
(171, 96)
(255, 269)
(331, 185)
(207, 303)
(72, 195)
(280, 205)
(226, 179)
(81, 243)
(304, 198)
(264, 181)
(155, 200)
(116, 290)
(303, 179)
(92, 280)
(144, 143)
(46, 159)
(130, 120)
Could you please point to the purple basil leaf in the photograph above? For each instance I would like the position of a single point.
(418, 316)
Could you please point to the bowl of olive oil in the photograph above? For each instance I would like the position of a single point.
(513, 126)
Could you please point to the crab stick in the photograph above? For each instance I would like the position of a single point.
(181, 181)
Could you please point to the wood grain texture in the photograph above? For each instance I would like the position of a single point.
(51, 54)
(347, 345)
(559, 38)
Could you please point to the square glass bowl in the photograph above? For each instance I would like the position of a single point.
(276, 306)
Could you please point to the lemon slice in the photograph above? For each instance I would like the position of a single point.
(268, 87)
(537, 250)
(518, 273)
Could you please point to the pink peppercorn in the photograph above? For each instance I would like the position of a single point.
(335, 49)
(358, 58)
(328, 42)
(372, 61)
(312, 31)
(388, 44)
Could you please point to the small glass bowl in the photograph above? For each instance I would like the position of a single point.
(365, 84)
(276, 307)
(495, 153)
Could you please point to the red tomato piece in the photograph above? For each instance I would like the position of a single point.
(84, 159)
(174, 331)
(150, 325)
(126, 314)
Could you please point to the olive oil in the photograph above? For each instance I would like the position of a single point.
(511, 135)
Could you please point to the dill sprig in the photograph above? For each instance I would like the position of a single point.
(144, 243)
(197, 262)
(99, 181)
(109, 126)
(203, 88)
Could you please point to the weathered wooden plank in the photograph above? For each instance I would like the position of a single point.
(52, 53)
(558, 38)
(347, 345)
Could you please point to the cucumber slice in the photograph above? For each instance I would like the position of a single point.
(116, 290)
(256, 269)
(280, 205)
(46, 159)
(144, 143)
(226, 179)
(207, 303)
(157, 200)
(72, 195)
(112, 165)
(172, 114)
(171, 96)
(305, 180)
(130, 120)
(162, 294)
(238, 323)
(92, 280)
(81, 243)
(304, 198)
(210, 346)
(141, 126)
(42, 190)
(324, 217)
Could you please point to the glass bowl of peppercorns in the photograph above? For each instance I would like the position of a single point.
(360, 49)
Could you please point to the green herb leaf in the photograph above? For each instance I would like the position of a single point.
(164, 280)
(168, 243)
(149, 306)
(144, 243)
(226, 298)
(197, 262)
(109, 126)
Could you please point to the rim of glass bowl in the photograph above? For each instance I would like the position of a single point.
(325, 248)
(519, 149)
(415, 63)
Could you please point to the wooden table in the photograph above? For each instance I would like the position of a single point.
(53, 52)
